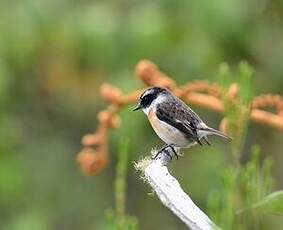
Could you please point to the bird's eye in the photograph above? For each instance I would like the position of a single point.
(147, 99)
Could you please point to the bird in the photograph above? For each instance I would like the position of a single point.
(174, 122)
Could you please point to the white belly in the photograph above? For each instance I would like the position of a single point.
(167, 133)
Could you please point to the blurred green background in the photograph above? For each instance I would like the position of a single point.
(53, 57)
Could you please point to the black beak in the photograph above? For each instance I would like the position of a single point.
(137, 107)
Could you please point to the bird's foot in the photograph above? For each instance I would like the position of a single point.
(169, 150)
(163, 149)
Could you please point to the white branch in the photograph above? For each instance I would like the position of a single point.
(171, 194)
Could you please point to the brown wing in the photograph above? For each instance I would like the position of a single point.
(179, 115)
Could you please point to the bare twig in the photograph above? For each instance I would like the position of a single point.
(170, 193)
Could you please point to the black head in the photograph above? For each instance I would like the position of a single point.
(148, 97)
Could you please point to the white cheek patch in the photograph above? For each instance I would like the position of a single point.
(146, 110)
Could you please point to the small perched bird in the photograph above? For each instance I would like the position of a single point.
(173, 121)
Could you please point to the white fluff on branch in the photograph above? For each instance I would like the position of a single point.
(170, 193)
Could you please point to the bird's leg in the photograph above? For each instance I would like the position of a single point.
(159, 151)
(198, 141)
(164, 149)
(174, 151)
(206, 140)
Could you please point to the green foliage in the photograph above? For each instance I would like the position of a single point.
(232, 206)
(243, 195)
(29, 221)
(255, 181)
(237, 112)
(121, 223)
(11, 180)
(272, 203)
(119, 219)
(222, 203)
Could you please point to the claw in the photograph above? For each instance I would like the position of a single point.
(164, 149)
(174, 151)
(206, 141)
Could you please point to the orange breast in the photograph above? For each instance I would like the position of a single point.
(166, 132)
(154, 121)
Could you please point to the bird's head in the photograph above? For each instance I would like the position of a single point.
(151, 97)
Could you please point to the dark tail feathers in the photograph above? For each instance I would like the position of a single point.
(210, 131)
